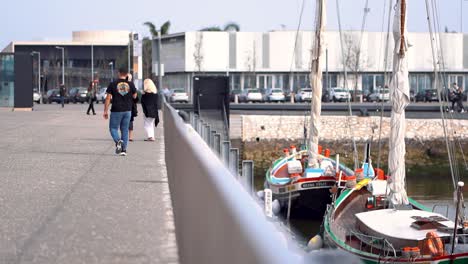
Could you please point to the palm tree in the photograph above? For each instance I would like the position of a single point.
(212, 28)
(231, 26)
(154, 31)
(147, 46)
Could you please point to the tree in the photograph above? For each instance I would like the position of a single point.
(198, 53)
(231, 26)
(355, 59)
(148, 46)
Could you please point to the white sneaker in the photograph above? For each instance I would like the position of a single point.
(462, 111)
(451, 111)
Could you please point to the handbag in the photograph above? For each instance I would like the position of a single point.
(156, 121)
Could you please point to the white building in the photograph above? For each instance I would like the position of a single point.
(282, 58)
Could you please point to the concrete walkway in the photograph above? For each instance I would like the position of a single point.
(66, 198)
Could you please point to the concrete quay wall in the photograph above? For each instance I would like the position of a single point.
(342, 128)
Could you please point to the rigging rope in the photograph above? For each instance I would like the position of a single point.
(385, 80)
(434, 58)
(343, 54)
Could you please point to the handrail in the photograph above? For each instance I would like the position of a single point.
(225, 119)
(216, 220)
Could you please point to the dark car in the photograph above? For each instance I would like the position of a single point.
(54, 96)
(420, 96)
(78, 95)
(233, 93)
(431, 95)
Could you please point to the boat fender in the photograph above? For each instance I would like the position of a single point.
(276, 207)
(433, 244)
(315, 243)
(261, 194)
(327, 153)
(351, 182)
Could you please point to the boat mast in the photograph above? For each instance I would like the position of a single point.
(316, 83)
(399, 91)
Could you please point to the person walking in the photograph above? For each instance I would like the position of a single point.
(150, 105)
(122, 93)
(134, 111)
(91, 97)
(459, 93)
(62, 92)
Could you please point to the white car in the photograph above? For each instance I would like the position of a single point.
(379, 95)
(304, 94)
(101, 95)
(252, 95)
(275, 95)
(37, 97)
(339, 94)
(179, 95)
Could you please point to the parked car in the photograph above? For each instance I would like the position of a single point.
(78, 95)
(101, 95)
(379, 95)
(431, 95)
(36, 96)
(251, 95)
(427, 95)
(358, 96)
(303, 95)
(339, 94)
(233, 93)
(178, 96)
(275, 95)
(53, 95)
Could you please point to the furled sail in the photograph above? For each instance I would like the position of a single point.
(399, 92)
(316, 83)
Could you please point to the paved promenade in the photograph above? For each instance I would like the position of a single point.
(66, 198)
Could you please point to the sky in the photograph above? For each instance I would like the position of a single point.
(35, 20)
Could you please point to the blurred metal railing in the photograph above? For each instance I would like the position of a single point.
(216, 218)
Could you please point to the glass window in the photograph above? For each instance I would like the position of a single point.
(285, 85)
(249, 81)
(367, 82)
(7, 80)
(379, 80)
(235, 82)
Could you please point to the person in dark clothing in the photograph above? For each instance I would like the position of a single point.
(91, 97)
(150, 105)
(459, 93)
(134, 111)
(62, 92)
(134, 114)
(122, 93)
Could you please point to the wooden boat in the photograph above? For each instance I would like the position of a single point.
(289, 179)
(375, 220)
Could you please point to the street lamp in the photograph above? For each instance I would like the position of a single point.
(38, 73)
(111, 64)
(63, 63)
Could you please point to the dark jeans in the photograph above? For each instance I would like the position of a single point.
(120, 120)
(62, 100)
(91, 106)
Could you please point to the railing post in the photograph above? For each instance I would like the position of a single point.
(195, 123)
(247, 175)
(217, 144)
(200, 127)
(234, 161)
(192, 118)
(207, 133)
(225, 147)
(212, 136)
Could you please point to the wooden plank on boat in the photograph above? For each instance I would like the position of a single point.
(395, 225)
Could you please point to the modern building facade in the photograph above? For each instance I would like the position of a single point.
(281, 59)
(90, 55)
